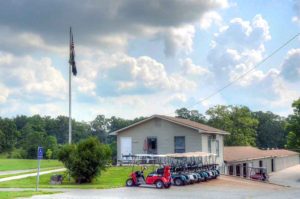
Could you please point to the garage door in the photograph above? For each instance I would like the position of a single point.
(126, 146)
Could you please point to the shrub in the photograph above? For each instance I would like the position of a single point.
(49, 154)
(17, 154)
(85, 160)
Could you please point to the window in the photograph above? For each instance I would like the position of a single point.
(209, 143)
(179, 142)
(217, 148)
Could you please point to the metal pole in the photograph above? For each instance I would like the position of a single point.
(70, 105)
(38, 176)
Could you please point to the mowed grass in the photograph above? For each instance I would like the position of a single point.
(15, 194)
(22, 164)
(111, 178)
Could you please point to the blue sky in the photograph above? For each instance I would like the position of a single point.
(138, 57)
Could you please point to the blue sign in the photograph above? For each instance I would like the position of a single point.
(40, 152)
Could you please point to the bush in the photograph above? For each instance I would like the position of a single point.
(85, 160)
(17, 154)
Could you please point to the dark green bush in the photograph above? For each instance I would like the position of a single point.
(85, 160)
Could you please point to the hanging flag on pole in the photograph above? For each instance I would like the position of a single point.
(72, 70)
(72, 54)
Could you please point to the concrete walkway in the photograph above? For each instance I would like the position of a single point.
(2, 173)
(30, 175)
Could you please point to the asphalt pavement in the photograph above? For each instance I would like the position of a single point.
(225, 187)
(289, 177)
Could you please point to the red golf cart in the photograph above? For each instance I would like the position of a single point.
(161, 178)
(259, 173)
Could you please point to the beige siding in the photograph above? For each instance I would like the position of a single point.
(279, 163)
(284, 162)
(219, 159)
(165, 132)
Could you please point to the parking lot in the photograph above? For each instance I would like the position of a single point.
(224, 187)
(289, 177)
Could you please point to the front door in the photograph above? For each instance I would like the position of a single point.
(126, 146)
(152, 145)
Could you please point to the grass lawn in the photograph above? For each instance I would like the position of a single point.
(20, 164)
(15, 194)
(111, 178)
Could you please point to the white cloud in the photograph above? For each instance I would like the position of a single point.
(189, 68)
(27, 77)
(291, 66)
(4, 93)
(47, 109)
(296, 18)
(120, 74)
(179, 39)
(209, 19)
(101, 23)
(237, 48)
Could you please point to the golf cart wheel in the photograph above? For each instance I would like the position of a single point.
(167, 186)
(129, 182)
(178, 182)
(159, 184)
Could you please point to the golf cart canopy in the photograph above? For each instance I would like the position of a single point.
(176, 155)
(190, 154)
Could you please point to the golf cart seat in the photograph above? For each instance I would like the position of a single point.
(160, 171)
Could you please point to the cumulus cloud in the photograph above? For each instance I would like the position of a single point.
(209, 19)
(4, 92)
(24, 42)
(179, 39)
(291, 66)
(31, 79)
(120, 74)
(106, 23)
(189, 68)
(296, 18)
(237, 47)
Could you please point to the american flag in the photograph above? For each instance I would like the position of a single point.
(72, 54)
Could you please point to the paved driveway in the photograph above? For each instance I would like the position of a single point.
(289, 177)
(225, 187)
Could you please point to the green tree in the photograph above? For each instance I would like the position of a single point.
(32, 142)
(99, 128)
(85, 160)
(293, 127)
(49, 154)
(193, 115)
(2, 143)
(9, 134)
(237, 120)
(271, 131)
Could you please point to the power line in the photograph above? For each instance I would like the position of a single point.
(246, 73)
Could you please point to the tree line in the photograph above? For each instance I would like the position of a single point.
(20, 136)
(251, 128)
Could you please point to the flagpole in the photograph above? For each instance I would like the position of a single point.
(70, 98)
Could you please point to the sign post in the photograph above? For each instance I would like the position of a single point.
(39, 157)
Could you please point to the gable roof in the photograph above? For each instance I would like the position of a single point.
(244, 153)
(202, 128)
